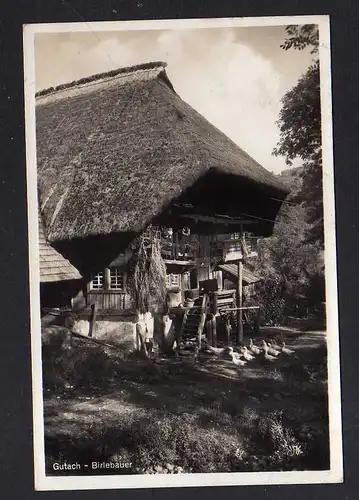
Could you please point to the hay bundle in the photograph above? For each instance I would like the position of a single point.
(147, 275)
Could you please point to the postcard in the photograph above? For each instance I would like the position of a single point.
(182, 254)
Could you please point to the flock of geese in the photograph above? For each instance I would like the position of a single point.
(268, 352)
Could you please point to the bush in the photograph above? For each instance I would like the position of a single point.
(284, 449)
(84, 366)
(271, 298)
(178, 441)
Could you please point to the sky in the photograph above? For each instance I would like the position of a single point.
(233, 76)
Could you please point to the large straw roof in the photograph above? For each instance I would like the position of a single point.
(115, 150)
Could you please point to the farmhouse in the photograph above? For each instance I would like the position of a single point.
(121, 155)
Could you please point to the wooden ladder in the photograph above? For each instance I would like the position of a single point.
(193, 322)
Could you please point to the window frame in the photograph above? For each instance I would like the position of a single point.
(97, 276)
(122, 273)
(169, 280)
(106, 281)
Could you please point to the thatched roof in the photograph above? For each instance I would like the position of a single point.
(53, 266)
(115, 150)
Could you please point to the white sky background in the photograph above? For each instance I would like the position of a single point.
(235, 77)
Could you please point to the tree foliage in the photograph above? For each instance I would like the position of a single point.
(290, 265)
(291, 260)
(299, 125)
(301, 36)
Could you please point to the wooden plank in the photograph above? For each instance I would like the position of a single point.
(225, 293)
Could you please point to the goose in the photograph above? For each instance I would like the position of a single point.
(217, 351)
(253, 348)
(274, 344)
(233, 353)
(285, 349)
(236, 360)
(268, 357)
(246, 354)
(271, 350)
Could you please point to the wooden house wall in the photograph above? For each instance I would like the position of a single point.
(105, 300)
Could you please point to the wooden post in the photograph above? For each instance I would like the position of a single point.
(239, 302)
(209, 331)
(93, 319)
(107, 279)
(214, 331)
(257, 321)
(202, 321)
(215, 303)
(183, 327)
(176, 244)
(228, 330)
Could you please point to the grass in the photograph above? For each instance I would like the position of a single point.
(174, 416)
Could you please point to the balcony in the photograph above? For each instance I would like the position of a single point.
(176, 252)
(230, 249)
(176, 247)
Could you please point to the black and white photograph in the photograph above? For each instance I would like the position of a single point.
(183, 283)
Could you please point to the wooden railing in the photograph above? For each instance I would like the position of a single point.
(176, 251)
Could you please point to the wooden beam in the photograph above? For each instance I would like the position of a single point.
(96, 341)
(239, 308)
(217, 219)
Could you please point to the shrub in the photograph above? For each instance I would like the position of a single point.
(284, 450)
(83, 366)
(178, 441)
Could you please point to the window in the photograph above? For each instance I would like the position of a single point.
(97, 282)
(109, 279)
(116, 279)
(173, 280)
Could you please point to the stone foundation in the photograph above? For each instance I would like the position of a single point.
(117, 330)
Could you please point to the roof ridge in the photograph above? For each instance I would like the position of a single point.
(99, 76)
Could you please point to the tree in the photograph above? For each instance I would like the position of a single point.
(291, 260)
(300, 128)
(302, 36)
(290, 265)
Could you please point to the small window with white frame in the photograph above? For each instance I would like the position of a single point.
(97, 282)
(173, 280)
(116, 279)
